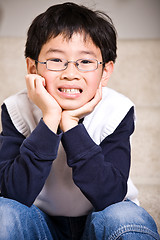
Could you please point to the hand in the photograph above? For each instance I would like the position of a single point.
(38, 94)
(70, 118)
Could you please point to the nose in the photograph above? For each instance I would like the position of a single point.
(71, 72)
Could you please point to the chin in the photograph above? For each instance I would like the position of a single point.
(71, 106)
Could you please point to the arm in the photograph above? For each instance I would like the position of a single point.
(25, 163)
(101, 172)
(37, 93)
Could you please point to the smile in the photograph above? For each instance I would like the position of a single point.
(70, 90)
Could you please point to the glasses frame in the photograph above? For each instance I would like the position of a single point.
(67, 62)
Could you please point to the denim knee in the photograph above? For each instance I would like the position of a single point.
(124, 220)
(10, 216)
(18, 221)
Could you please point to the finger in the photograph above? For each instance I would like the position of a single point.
(98, 95)
(88, 107)
(32, 80)
(96, 99)
(39, 81)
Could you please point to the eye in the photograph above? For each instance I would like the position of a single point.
(56, 60)
(86, 61)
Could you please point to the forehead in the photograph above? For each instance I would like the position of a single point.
(78, 43)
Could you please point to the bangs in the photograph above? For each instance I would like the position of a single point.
(67, 19)
(70, 21)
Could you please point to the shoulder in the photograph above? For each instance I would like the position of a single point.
(112, 98)
(23, 113)
(107, 115)
(17, 100)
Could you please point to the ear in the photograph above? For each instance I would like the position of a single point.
(107, 71)
(31, 66)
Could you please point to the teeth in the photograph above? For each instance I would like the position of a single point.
(72, 90)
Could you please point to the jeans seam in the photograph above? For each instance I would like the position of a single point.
(41, 219)
(132, 228)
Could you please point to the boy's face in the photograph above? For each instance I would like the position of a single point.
(70, 87)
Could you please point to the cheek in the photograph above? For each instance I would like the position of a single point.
(49, 81)
(94, 82)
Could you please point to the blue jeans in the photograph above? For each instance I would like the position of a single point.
(124, 220)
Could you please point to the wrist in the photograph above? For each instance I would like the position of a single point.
(68, 122)
(52, 120)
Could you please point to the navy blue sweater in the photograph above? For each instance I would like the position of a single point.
(100, 171)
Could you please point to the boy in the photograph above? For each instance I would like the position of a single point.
(65, 149)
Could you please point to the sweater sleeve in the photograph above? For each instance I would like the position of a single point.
(25, 163)
(101, 171)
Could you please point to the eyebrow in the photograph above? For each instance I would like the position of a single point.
(88, 52)
(52, 50)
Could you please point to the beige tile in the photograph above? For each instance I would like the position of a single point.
(146, 146)
(137, 71)
(149, 197)
(12, 66)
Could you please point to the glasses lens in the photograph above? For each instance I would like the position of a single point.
(87, 64)
(56, 64)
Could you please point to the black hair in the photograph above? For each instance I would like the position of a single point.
(67, 19)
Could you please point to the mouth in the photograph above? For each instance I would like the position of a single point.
(70, 90)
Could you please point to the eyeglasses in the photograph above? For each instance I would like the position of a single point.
(57, 64)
